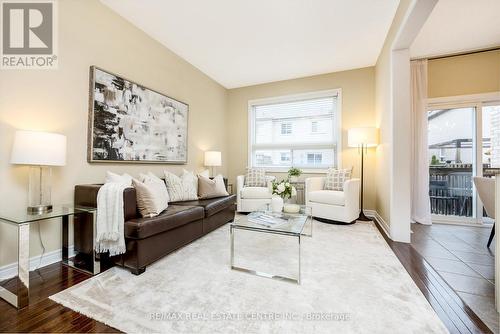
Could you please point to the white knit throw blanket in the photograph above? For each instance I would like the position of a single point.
(110, 220)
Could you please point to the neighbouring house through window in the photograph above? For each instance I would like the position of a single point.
(286, 128)
(301, 131)
(314, 126)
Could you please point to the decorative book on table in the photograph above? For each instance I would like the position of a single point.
(266, 219)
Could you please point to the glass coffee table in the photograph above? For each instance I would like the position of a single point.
(296, 225)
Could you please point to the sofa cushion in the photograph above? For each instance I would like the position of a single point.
(173, 217)
(212, 205)
(331, 197)
(255, 192)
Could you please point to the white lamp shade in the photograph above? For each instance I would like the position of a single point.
(367, 136)
(38, 148)
(213, 158)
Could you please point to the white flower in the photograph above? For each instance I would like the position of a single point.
(287, 184)
(281, 188)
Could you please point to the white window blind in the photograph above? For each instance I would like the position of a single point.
(304, 130)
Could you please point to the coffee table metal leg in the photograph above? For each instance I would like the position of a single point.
(300, 269)
(232, 246)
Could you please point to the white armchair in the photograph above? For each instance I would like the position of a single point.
(250, 199)
(336, 206)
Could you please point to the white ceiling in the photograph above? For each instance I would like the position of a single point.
(459, 25)
(244, 42)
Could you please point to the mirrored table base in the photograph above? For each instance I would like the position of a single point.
(15, 290)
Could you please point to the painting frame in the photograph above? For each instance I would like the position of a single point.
(91, 122)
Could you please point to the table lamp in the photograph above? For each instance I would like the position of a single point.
(213, 159)
(362, 138)
(40, 151)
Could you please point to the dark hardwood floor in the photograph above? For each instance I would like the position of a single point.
(44, 315)
(457, 316)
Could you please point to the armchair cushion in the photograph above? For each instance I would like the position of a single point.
(331, 197)
(255, 192)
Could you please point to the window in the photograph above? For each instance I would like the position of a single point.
(314, 126)
(286, 128)
(284, 131)
(285, 157)
(314, 158)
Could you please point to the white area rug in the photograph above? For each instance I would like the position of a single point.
(351, 283)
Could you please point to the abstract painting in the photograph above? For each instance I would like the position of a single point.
(132, 123)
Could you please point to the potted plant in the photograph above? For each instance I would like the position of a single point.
(283, 190)
(294, 174)
(434, 161)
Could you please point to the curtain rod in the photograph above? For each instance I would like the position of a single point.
(459, 54)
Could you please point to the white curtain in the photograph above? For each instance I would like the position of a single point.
(420, 202)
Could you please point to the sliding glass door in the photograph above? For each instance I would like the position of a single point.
(451, 161)
(490, 153)
(464, 141)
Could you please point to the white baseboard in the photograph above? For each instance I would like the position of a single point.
(10, 270)
(379, 220)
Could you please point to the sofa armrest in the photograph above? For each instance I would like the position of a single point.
(86, 195)
(313, 184)
(351, 191)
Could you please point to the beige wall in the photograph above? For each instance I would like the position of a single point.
(357, 110)
(463, 75)
(57, 100)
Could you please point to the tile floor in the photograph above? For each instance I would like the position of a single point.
(459, 254)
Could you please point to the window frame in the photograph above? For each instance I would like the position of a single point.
(337, 126)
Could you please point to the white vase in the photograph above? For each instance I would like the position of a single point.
(276, 204)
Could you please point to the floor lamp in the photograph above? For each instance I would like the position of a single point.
(362, 138)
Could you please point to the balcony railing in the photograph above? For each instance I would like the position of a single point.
(450, 189)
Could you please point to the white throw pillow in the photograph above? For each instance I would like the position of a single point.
(211, 188)
(184, 188)
(152, 196)
(205, 173)
(115, 178)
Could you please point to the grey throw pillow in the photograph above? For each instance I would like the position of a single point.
(335, 178)
(211, 188)
(255, 177)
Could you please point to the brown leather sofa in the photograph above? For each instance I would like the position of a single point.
(149, 239)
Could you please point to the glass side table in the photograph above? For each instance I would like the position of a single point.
(15, 290)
